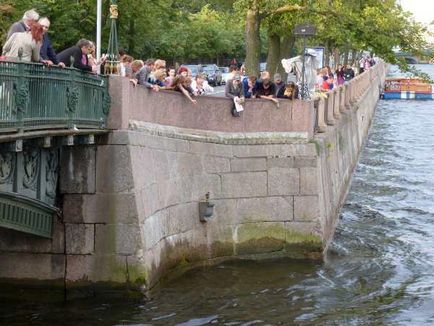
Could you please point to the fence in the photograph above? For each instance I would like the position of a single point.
(35, 96)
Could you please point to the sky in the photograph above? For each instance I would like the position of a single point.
(423, 10)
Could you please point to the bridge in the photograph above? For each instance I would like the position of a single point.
(103, 182)
(42, 109)
(427, 54)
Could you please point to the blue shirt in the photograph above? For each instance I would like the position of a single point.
(47, 52)
(248, 94)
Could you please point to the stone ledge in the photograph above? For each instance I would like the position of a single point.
(219, 137)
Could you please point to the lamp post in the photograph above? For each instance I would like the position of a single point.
(98, 29)
(304, 30)
(112, 64)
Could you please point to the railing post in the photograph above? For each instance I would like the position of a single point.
(330, 115)
(347, 96)
(21, 90)
(336, 103)
(342, 99)
(72, 95)
(322, 125)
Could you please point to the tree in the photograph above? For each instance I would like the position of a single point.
(255, 11)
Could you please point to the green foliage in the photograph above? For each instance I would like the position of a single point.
(174, 30)
(206, 30)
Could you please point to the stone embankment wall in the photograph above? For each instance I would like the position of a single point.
(277, 177)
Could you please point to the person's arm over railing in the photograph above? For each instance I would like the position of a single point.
(187, 94)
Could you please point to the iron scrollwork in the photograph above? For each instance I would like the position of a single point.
(52, 167)
(72, 95)
(7, 166)
(22, 96)
(31, 161)
(106, 101)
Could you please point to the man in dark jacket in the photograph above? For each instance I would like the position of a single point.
(78, 53)
(348, 73)
(47, 52)
(29, 17)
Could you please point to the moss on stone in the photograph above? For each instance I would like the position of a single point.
(260, 237)
(222, 249)
(111, 268)
(318, 147)
(260, 230)
(300, 245)
(341, 141)
(298, 237)
(138, 275)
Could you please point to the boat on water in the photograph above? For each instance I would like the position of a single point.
(407, 88)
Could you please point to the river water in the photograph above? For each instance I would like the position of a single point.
(379, 269)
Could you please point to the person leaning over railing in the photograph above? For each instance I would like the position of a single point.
(182, 84)
(141, 73)
(47, 52)
(266, 89)
(25, 46)
(77, 56)
(290, 91)
(235, 91)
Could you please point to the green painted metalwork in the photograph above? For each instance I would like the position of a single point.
(34, 96)
(28, 184)
(112, 66)
(26, 215)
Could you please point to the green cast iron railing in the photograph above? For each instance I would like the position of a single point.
(27, 215)
(37, 97)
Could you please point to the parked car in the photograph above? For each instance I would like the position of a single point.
(195, 69)
(213, 74)
(225, 74)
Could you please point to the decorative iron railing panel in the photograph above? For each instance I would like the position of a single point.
(28, 184)
(26, 215)
(34, 96)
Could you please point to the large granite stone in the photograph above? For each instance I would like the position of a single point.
(77, 170)
(114, 169)
(15, 241)
(248, 164)
(216, 164)
(119, 239)
(280, 162)
(142, 167)
(283, 181)
(244, 184)
(306, 208)
(264, 209)
(155, 228)
(100, 208)
(309, 181)
(83, 269)
(263, 237)
(182, 218)
(80, 238)
(32, 266)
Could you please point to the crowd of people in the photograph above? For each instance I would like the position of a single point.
(240, 87)
(28, 41)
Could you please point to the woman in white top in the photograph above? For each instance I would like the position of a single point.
(26, 44)
(200, 86)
